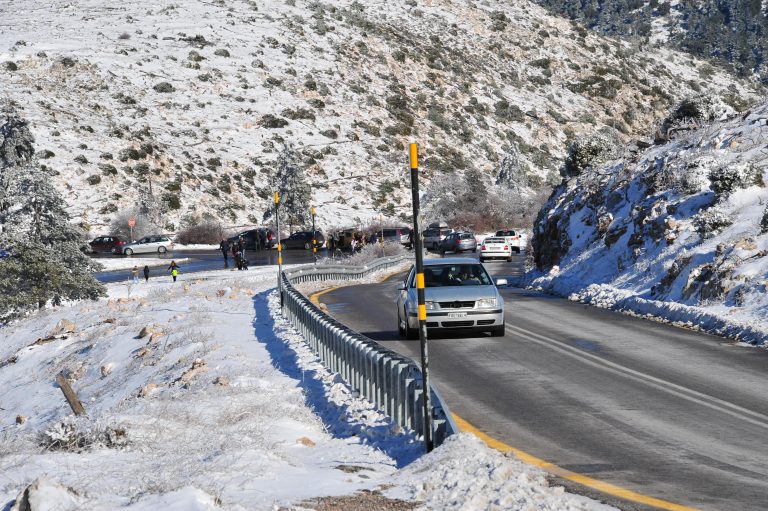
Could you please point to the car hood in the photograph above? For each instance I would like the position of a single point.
(449, 294)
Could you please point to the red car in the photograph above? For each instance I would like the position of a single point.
(107, 244)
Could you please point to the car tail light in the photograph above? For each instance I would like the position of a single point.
(483, 248)
(506, 247)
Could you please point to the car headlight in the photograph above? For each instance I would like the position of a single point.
(431, 305)
(486, 303)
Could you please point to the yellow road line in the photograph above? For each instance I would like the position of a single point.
(590, 482)
(314, 297)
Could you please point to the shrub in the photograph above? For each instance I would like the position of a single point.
(81, 159)
(271, 121)
(592, 151)
(711, 222)
(764, 222)
(207, 232)
(725, 180)
(107, 169)
(164, 87)
(172, 201)
(330, 133)
(11, 66)
(316, 103)
(94, 179)
(221, 52)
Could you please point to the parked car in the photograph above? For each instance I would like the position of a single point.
(250, 237)
(400, 235)
(346, 237)
(434, 235)
(148, 244)
(515, 239)
(303, 239)
(495, 248)
(458, 242)
(106, 244)
(459, 294)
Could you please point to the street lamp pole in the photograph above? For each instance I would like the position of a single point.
(422, 311)
(314, 241)
(279, 249)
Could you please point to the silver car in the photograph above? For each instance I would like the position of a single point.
(459, 294)
(147, 245)
(458, 242)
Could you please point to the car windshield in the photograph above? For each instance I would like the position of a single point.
(447, 275)
(505, 233)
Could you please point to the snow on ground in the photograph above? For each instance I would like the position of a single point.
(126, 263)
(222, 406)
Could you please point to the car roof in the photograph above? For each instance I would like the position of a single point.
(450, 260)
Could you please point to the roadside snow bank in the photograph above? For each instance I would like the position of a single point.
(194, 396)
(464, 474)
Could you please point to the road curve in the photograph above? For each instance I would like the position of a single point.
(665, 412)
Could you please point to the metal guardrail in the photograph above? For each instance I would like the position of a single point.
(392, 382)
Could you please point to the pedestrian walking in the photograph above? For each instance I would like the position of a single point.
(262, 239)
(224, 247)
(241, 246)
(269, 240)
(146, 273)
(135, 274)
(174, 268)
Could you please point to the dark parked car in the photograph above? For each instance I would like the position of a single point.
(107, 244)
(250, 237)
(458, 242)
(303, 239)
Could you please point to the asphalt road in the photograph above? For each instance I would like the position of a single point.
(205, 260)
(669, 413)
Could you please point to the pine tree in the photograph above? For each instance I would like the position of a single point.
(290, 182)
(47, 263)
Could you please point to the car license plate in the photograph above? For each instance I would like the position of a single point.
(457, 314)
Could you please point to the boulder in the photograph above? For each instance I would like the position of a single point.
(147, 390)
(21, 419)
(45, 494)
(64, 326)
(107, 369)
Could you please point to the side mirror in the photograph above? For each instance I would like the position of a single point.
(502, 282)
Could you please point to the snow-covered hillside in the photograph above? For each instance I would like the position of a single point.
(679, 231)
(200, 397)
(191, 101)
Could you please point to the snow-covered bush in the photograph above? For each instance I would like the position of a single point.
(374, 251)
(699, 108)
(72, 434)
(711, 222)
(210, 231)
(764, 222)
(724, 180)
(590, 152)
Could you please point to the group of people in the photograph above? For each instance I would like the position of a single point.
(173, 268)
(237, 249)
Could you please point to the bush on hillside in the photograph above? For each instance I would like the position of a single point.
(764, 222)
(726, 179)
(590, 152)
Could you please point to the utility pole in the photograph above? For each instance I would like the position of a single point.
(381, 238)
(314, 241)
(279, 249)
(414, 158)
